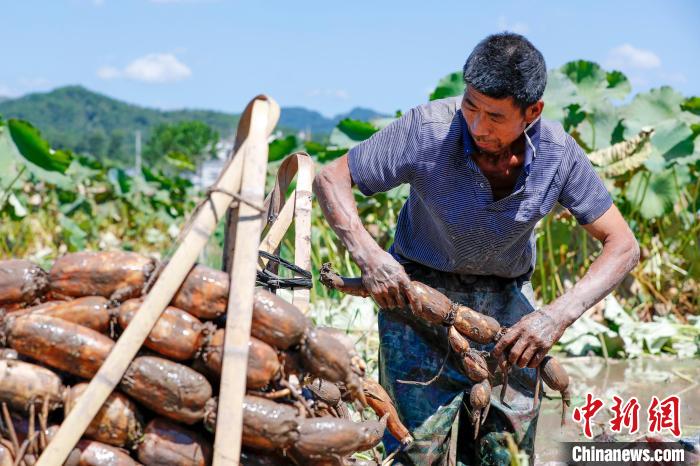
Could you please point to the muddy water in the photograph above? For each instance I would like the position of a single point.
(641, 378)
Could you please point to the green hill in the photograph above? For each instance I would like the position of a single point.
(76, 118)
(81, 120)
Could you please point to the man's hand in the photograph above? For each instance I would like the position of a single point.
(384, 278)
(530, 339)
(387, 281)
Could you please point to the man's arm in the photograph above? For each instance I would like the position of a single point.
(533, 336)
(382, 275)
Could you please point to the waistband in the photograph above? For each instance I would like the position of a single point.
(451, 281)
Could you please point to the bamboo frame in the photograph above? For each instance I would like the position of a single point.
(258, 120)
(297, 209)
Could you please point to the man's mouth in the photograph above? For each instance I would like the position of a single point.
(486, 144)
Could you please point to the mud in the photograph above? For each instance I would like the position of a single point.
(277, 322)
(89, 311)
(263, 365)
(58, 343)
(324, 356)
(22, 384)
(117, 423)
(168, 388)
(204, 293)
(329, 436)
(176, 335)
(168, 444)
(21, 282)
(117, 275)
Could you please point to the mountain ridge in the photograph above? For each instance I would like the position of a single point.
(77, 118)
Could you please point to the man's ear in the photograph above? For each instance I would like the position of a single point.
(534, 111)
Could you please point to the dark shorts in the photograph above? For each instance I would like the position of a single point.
(410, 351)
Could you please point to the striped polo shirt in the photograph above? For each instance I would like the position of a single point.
(450, 221)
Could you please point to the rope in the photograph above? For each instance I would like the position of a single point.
(236, 197)
(273, 281)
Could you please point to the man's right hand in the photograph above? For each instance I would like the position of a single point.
(387, 282)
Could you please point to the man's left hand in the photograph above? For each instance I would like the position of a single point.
(530, 339)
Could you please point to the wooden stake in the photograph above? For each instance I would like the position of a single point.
(261, 109)
(229, 424)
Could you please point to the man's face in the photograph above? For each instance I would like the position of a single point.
(495, 123)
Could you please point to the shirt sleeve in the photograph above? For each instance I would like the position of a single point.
(387, 159)
(583, 192)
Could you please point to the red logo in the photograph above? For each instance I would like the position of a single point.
(665, 414)
(662, 414)
(586, 413)
(625, 416)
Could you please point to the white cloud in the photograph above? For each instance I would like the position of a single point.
(151, 68)
(627, 56)
(335, 93)
(156, 68)
(517, 27)
(108, 72)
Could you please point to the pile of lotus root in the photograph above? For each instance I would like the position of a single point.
(57, 329)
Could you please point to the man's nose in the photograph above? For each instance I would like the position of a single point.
(479, 128)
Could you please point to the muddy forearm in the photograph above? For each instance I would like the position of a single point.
(619, 256)
(333, 189)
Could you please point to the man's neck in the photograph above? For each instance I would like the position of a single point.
(517, 148)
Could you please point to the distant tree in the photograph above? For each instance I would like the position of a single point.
(97, 143)
(93, 142)
(180, 146)
(116, 149)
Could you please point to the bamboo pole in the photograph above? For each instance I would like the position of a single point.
(274, 235)
(302, 226)
(229, 423)
(261, 109)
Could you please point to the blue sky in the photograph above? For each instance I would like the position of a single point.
(327, 56)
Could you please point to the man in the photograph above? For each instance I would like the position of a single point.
(483, 168)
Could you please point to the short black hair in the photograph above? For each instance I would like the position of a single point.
(507, 65)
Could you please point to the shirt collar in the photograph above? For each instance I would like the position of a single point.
(533, 133)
